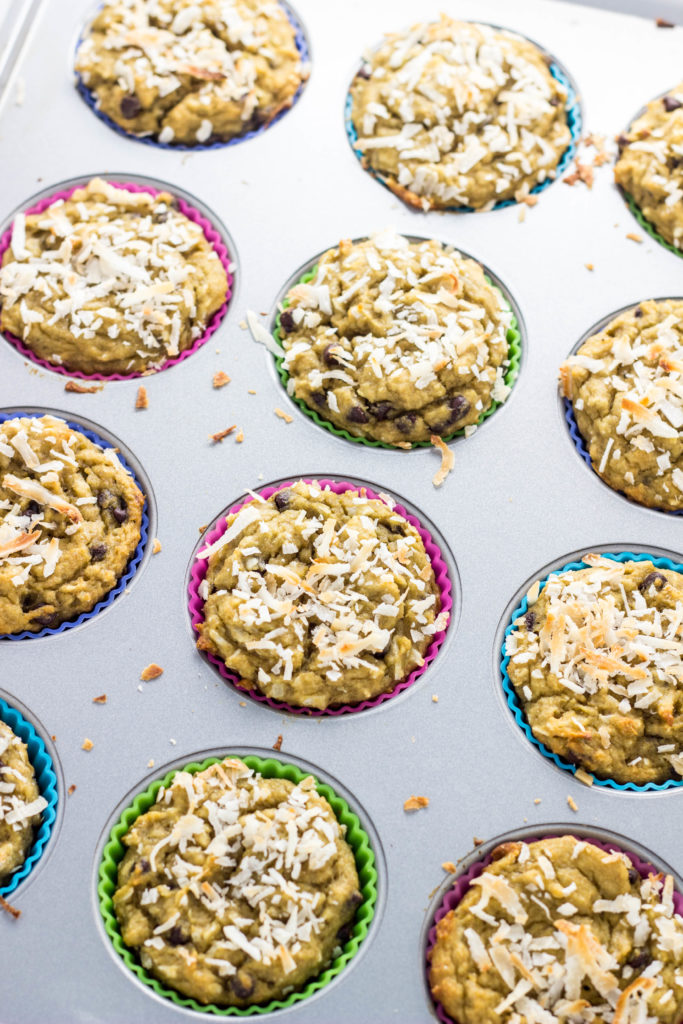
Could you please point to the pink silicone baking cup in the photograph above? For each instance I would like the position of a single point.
(462, 884)
(212, 236)
(196, 603)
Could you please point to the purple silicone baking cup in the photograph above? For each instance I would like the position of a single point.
(301, 43)
(462, 884)
(213, 238)
(133, 563)
(196, 603)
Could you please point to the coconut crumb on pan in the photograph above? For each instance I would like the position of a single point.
(283, 415)
(222, 434)
(572, 803)
(156, 546)
(447, 460)
(82, 389)
(141, 399)
(87, 744)
(416, 803)
(12, 911)
(152, 671)
(102, 699)
(278, 743)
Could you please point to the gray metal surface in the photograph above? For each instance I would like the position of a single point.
(519, 497)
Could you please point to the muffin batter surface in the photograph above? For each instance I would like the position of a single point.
(597, 664)
(109, 281)
(20, 803)
(558, 931)
(395, 340)
(650, 164)
(236, 889)
(455, 113)
(626, 387)
(190, 73)
(317, 598)
(70, 519)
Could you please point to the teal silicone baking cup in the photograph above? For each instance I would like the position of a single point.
(514, 340)
(47, 784)
(513, 700)
(356, 837)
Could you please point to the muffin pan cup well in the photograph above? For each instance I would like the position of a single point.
(302, 45)
(452, 891)
(214, 231)
(46, 777)
(199, 566)
(512, 700)
(570, 417)
(515, 339)
(269, 767)
(574, 123)
(147, 524)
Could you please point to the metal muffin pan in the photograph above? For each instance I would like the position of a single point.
(518, 498)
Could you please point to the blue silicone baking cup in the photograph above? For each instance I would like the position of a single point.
(574, 123)
(580, 446)
(301, 44)
(47, 784)
(513, 700)
(133, 564)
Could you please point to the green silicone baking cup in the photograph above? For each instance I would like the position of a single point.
(357, 839)
(514, 340)
(647, 226)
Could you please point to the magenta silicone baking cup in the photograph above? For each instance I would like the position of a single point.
(462, 884)
(212, 236)
(196, 603)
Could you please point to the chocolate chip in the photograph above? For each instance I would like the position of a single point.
(345, 932)
(639, 960)
(622, 142)
(354, 900)
(671, 103)
(32, 509)
(30, 601)
(380, 410)
(105, 498)
(242, 984)
(175, 936)
(287, 321)
(633, 876)
(459, 407)
(320, 398)
(130, 106)
(97, 551)
(329, 357)
(637, 312)
(49, 620)
(161, 217)
(144, 865)
(282, 500)
(530, 620)
(406, 423)
(363, 73)
(653, 579)
(357, 414)
(120, 514)
(554, 102)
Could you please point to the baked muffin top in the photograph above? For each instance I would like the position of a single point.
(395, 340)
(109, 280)
(650, 164)
(454, 113)
(191, 73)
(317, 598)
(70, 519)
(597, 664)
(20, 802)
(626, 387)
(236, 889)
(560, 930)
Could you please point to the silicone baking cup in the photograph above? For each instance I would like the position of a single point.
(133, 564)
(462, 884)
(302, 46)
(514, 340)
(212, 236)
(196, 604)
(513, 700)
(574, 123)
(47, 784)
(581, 448)
(356, 837)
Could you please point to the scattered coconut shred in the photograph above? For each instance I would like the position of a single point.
(447, 460)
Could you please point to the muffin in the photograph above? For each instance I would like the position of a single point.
(650, 164)
(70, 518)
(20, 803)
(236, 889)
(454, 113)
(626, 388)
(109, 281)
(394, 340)
(188, 73)
(596, 664)
(557, 931)
(317, 598)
